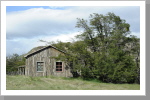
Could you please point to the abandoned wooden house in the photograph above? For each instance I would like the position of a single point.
(40, 63)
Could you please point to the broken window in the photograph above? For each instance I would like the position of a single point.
(59, 66)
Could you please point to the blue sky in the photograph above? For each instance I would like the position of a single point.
(22, 8)
(26, 25)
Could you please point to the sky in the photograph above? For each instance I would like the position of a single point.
(26, 25)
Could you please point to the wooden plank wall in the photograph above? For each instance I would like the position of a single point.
(49, 64)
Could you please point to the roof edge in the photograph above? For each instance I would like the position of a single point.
(42, 50)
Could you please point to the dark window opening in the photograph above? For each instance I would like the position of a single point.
(40, 66)
(59, 66)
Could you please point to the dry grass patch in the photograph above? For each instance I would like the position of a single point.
(61, 83)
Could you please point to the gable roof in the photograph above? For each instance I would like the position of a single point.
(43, 48)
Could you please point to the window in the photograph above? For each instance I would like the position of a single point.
(40, 66)
(59, 66)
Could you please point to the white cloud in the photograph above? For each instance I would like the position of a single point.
(37, 22)
(25, 28)
(62, 37)
(136, 34)
(59, 7)
(23, 45)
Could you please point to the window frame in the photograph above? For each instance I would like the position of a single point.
(40, 64)
(59, 66)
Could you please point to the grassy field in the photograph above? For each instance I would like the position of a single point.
(61, 83)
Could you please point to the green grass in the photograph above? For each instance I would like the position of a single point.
(62, 83)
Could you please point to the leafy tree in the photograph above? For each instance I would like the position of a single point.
(106, 36)
(105, 50)
(13, 61)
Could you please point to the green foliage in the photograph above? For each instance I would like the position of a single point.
(13, 61)
(105, 50)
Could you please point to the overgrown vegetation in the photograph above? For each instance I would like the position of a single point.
(104, 50)
(13, 61)
(62, 83)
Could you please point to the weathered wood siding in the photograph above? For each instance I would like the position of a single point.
(49, 64)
